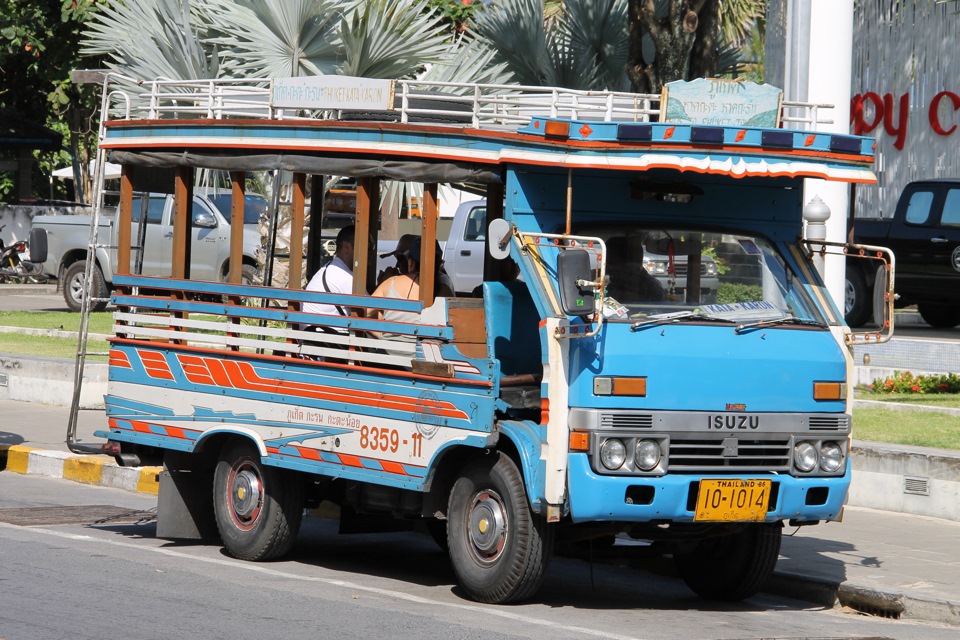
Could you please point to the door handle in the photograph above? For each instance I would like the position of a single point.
(168, 235)
(465, 252)
(939, 240)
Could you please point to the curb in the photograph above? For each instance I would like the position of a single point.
(897, 605)
(86, 469)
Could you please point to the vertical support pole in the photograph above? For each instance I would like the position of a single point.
(182, 222)
(237, 202)
(365, 187)
(428, 240)
(314, 252)
(296, 232)
(493, 269)
(124, 222)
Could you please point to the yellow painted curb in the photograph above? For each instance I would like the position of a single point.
(84, 469)
(149, 481)
(18, 457)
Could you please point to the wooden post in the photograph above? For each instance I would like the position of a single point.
(237, 204)
(366, 188)
(296, 232)
(124, 222)
(182, 222)
(428, 242)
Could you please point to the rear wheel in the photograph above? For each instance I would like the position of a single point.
(733, 566)
(258, 508)
(499, 548)
(74, 287)
(941, 316)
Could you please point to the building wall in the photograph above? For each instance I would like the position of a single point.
(904, 55)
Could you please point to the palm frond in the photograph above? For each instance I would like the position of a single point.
(277, 39)
(472, 61)
(597, 30)
(388, 39)
(518, 35)
(151, 39)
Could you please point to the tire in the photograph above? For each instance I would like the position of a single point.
(248, 274)
(499, 548)
(940, 316)
(856, 298)
(73, 288)
(258, 509)
(734, 566)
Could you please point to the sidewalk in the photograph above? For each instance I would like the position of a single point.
(878, 562)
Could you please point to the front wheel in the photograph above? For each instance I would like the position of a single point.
(499, 548)
(74, 287)
(734, 566)
(258, 508)
(940, 316)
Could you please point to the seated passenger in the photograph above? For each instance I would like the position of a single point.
(407, 286)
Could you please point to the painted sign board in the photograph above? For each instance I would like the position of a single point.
(333, 92)
(721, 102)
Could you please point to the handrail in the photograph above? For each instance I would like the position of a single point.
(482, 106)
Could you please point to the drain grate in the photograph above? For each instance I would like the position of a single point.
(82, 514)
(916, 486)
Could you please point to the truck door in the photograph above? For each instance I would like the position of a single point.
(204, 262)
(468, 250)
(944, 265)
(913, 228)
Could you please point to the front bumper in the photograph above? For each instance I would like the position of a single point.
(595, 497)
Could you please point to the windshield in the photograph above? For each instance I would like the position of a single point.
(253, 206)
(738, 278)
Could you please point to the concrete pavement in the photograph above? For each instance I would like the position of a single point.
(878, 562)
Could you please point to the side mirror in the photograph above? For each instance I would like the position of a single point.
(576, 282)
(38, 245)
(498, 238)
(204, 220)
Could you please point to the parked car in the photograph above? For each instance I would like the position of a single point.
(68, 240)
(924, 235)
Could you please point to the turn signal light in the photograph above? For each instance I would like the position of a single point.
(829, 391)
(554, 129)
(603, 386)
(579, 441)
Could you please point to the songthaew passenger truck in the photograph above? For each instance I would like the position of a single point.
(568, 398)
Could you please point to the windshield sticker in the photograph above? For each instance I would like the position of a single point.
(758, 310)
(613, 309)
(749, 247)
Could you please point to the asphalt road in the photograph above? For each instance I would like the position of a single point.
(113, 578)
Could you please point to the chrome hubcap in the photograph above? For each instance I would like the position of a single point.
(488, 526)
(246, 494)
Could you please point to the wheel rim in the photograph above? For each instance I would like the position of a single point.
(76, 287)
(246, 494)
(487, 526)
(849, 297)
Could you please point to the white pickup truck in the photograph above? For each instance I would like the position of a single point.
(68, 238)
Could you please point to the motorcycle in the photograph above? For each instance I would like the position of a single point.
(15, 263)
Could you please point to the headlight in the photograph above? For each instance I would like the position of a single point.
(655, 267)
(831, 457)
(613, 454)
(711, 268)
(647, 454)
(805, 456)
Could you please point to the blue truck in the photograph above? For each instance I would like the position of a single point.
(574, 396)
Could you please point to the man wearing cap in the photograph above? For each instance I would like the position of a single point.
(400, 253)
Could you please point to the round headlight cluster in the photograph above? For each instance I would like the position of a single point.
(806, 456)
(613, 454)
(647, 454)
(831, 457)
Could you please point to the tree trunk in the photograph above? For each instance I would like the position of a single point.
(685, 40)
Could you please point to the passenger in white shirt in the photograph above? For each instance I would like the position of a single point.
(334, 277)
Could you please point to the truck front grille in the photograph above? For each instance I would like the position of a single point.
(626, 420)
(829, 423)
(730, 454)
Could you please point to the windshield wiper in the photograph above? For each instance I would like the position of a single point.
(672, 318)
(771, 322)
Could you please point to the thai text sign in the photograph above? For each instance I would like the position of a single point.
(721, 102)
(332, 92)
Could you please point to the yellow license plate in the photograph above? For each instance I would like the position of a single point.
(732, 501)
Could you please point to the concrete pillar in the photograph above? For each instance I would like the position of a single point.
(829, 52)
